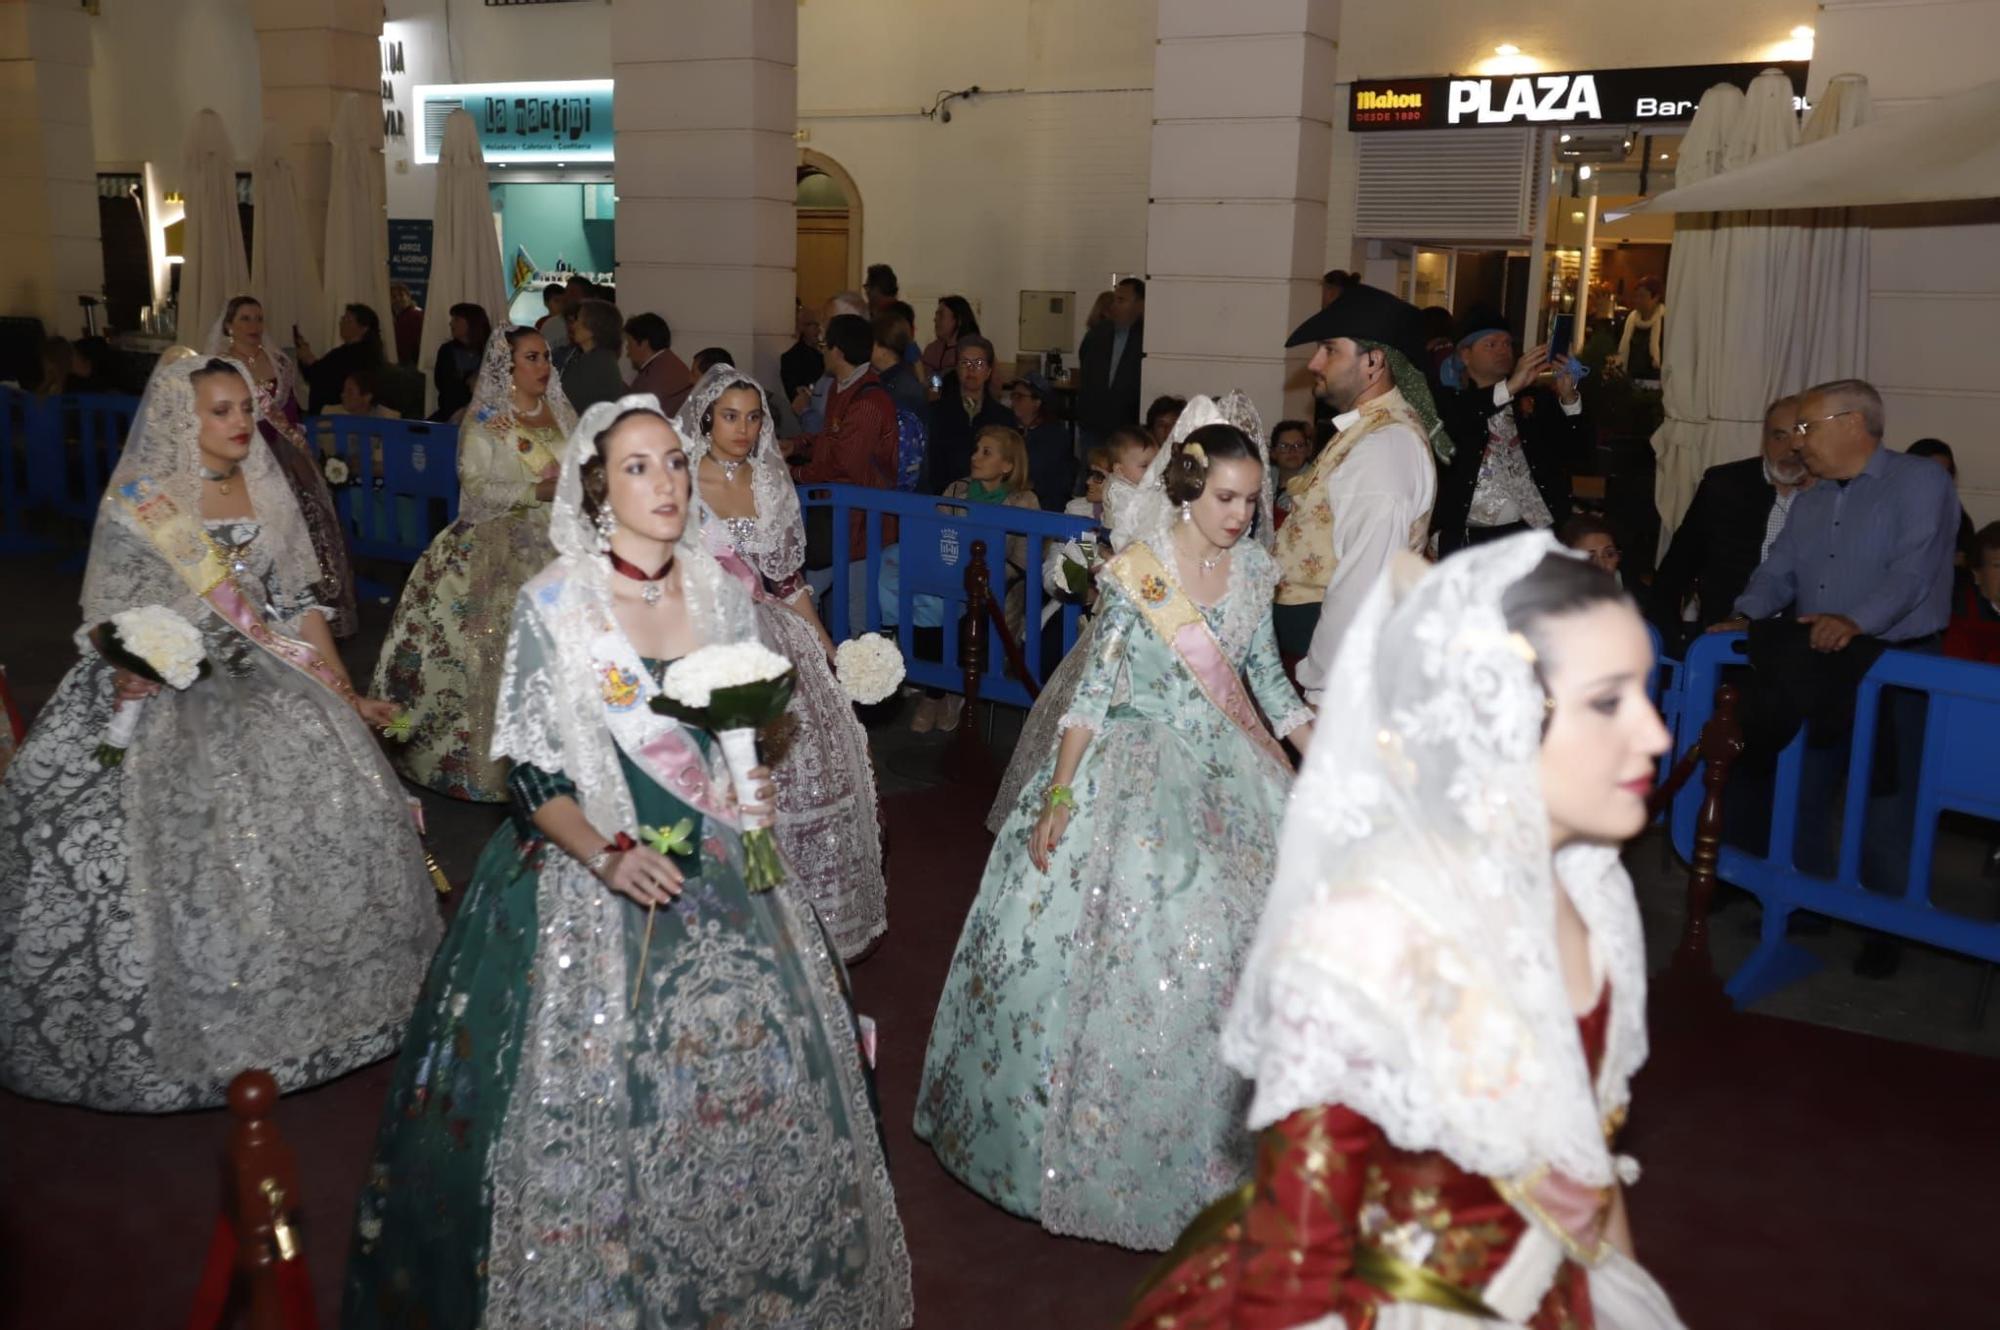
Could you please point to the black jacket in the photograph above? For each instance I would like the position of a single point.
(1105, 400)
(948, 449)
(1051, 464)
(326, 376)
(800, 367)
(1555, 443)
(452, 373)
(1718, 545)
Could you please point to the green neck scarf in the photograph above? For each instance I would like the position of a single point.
(1416, 390)
(981, 492)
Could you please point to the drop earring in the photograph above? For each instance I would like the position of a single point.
(1187, 513)
(607, 526)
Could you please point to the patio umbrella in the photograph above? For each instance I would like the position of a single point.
(1695, 311)
(357, 219)
(465, 247)
(282, 270)
(214, 268)
(1833, 324)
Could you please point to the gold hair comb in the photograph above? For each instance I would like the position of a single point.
(1196, 452)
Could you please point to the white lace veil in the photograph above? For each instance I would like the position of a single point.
(217, 345)
(492, 405)
(161, 449)
(778, 546)
(551, 712)
(1149, 516)
(1406, 964)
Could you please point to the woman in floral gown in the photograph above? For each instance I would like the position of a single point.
(441, 661)
(1064, 1078)
(245, 888)
(827, 828)
(239, 335)
(1446, 1001)
(588, 1127)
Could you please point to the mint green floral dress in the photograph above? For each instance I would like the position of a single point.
(1072, 1074)
(754, 1190)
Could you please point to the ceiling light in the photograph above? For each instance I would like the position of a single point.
(1802, 33)
(1583, 173)
(1576, 217)
(1663, 156)
(1565, 138)
(1508, 48)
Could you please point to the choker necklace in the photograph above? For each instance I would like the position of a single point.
(730, 470)
(649, 589)
(221, 477)
(534, 410)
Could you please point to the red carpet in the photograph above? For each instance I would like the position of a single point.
(1796, 1176)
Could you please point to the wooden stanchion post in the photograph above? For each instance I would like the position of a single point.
(970, 766)
(260, 1194)
(1695, 990)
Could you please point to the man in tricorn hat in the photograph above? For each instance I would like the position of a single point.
(1369, 493)
(1515, 443)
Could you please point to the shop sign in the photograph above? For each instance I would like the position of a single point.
(410, 254)
(1589, 97)
(562, 122)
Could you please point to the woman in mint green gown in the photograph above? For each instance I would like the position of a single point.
(1072, 1074)
(589, 1126)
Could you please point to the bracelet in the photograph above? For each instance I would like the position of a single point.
(1061, 796)
(596, 863)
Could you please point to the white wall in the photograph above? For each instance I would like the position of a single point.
(1043, 189)
(1935, 272)
(159, 62)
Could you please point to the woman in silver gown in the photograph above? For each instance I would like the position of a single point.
(827, 823)
(246, 888)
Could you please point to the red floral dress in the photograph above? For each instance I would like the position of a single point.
(1338, 1220)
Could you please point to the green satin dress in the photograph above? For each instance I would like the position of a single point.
(751, 1199)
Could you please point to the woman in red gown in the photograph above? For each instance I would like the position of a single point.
(1445, 1003)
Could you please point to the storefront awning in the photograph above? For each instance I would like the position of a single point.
(1947, 149)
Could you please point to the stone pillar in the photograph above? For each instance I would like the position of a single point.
(1243, 107)
(312, 53)
(50, 250)
(707, 171)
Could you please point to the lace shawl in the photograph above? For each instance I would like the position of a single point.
(1406, 964)
(1147, 514)
(161, 448)
(551, 709)
(778, 547)
(491, 421)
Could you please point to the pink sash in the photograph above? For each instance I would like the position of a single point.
(180, 540)
(1182, 626)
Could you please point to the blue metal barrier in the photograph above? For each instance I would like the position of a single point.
(22, 457)
(934, 546)
(402, 486)
(1961, 734)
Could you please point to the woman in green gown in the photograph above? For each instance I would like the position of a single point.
(588, 1127)
(1071, 1074)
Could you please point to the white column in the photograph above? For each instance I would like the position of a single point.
(707, 163)
(311, 54)
(50, 250)
(1243, 107)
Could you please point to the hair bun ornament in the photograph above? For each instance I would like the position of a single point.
(1195, 453)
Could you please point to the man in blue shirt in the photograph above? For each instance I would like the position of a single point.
(1864, 562)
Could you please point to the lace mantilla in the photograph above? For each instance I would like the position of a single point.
(1406, 965)
(775, 541)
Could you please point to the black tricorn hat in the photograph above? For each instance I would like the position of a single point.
(1367, 314)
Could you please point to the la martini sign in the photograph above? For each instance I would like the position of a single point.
(1589, 97)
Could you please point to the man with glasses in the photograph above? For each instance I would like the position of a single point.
(1863, 564)
(965, 405)
(1738, 510)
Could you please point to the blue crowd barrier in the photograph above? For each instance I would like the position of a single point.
(58, 456)
(934, 546)
(21, 457)
(1961, 732)
(402, 486)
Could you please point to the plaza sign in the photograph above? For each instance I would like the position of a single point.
(1590, 97)
(558, 122)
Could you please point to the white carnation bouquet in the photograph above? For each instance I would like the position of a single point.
(732, 690)
(154, 643)
(869, 667)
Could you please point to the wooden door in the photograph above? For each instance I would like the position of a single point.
(822, 256)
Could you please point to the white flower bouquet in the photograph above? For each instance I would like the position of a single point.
(154, 643)
(732, 690)
(869, 667)
(337, 472)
